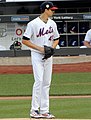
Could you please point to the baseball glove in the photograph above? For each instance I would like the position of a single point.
(48, 52)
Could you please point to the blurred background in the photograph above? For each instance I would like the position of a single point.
(73, 19)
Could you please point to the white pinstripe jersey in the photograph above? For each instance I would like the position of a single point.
(88, 36)
(41, 33)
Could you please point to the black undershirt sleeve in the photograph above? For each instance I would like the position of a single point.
(25, 38)
(56, 39)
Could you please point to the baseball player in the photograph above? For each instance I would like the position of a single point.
(41, 36)
(87, 40)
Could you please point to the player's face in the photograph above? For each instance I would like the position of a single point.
(50, 12)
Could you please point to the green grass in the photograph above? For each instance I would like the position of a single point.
(16, 84)
(62, 84)
(71, 108)
(14, 108)
(71, 84)
(76, 108)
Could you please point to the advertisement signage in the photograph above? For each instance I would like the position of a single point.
(11, 32)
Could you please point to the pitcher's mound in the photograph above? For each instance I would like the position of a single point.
(38, 119)
(28, 119)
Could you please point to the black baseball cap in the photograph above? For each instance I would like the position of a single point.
(48, 5)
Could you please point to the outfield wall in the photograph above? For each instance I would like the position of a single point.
(56, 60)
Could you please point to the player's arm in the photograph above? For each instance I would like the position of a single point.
(87, 39)
(87, 44)
(56, 36)
(55, 43)
(26, 41)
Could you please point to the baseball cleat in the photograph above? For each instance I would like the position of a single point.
(35, 114)
(47, 116)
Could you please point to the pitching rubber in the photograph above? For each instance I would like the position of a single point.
(39, 119)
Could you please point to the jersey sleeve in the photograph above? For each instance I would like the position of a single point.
(29, 31)
(56, 34)
(88, 36)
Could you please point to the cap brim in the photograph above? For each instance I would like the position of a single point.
(54, 8)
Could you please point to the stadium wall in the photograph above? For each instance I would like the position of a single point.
(4, 61)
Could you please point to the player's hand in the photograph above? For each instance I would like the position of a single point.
(48, 52)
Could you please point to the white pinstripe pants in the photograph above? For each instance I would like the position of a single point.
(42, 70)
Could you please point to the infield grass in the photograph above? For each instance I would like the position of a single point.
(70, 108)
(62, 84)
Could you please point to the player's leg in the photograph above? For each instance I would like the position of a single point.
(38, 78)
(44, 108)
